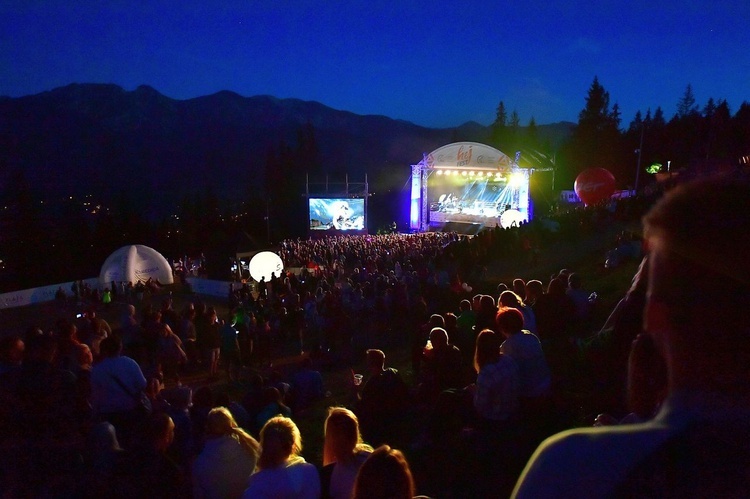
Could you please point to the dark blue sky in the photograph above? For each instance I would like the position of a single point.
(436, 63)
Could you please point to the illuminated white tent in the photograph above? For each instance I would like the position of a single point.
(133, 263)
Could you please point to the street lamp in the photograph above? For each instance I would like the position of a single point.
(638, 166)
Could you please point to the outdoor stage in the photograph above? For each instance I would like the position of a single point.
(469, 185)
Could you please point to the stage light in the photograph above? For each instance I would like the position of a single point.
(471, 174)
(455, 172)
(440, 172)
(515, 180)
(464, 173)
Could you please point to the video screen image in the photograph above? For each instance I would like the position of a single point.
(337, 214)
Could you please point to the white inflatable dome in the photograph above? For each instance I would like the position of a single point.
(131, 263)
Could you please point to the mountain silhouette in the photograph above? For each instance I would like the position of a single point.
(100, 139)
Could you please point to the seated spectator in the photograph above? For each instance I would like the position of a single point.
(555, 313)
(93, 330)
(227, 460)
(11, 353)
(519, 288)
(343, 454)
(465, 336)
(71, 353)
(147, 470)
(384, 475)
(647, 384)
(102, 460)
(696, 313)
(420, 337)
(282, 472)
(525, 348)
(534, 289)
(238, 412)
(442, 364)
(511, 299)
(496, 393)
(581, 303)
(307, 386)
(41, 422)
(486, 313)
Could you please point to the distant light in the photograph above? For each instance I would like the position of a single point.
(440, 172)
(654, 168)
(464, 173)
(471, 174)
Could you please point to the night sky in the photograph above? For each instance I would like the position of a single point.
(437, 63)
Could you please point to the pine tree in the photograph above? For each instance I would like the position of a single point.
(686, 105)
(501, 116)
(637, 122)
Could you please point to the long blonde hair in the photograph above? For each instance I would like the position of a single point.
(220, 422)
(342, 437)
(280, 439)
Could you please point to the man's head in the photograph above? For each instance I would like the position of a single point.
(699, 274)
(375, 360)
(438, 337)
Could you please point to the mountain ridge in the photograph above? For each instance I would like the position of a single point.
(96, 136)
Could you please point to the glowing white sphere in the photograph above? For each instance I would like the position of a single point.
(510, 216)
(265, 263)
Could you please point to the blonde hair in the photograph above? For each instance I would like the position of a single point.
(220, 422)
(280, 439)
(342, 437)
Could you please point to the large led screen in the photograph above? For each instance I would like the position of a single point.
(339, 214)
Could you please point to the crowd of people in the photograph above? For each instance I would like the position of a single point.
(94, 410)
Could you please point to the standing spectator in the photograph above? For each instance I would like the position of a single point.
(170, 353)
(116, 385)
(212, 341)
(230, 349)
(189, 337)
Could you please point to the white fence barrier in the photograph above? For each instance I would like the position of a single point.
(40, 295)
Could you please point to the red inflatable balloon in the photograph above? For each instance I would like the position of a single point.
(594, 185)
